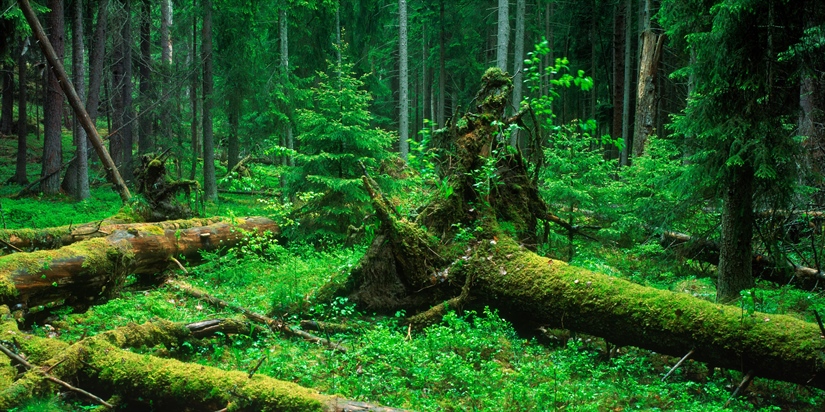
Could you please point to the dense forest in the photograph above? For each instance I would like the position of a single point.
(380, 205)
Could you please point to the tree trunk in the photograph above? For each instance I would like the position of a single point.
(210, 186)
(22, 118)
(7, 114)
(404, 82)
(442, 72)
(651, 53)
(628, 64)
(146, 99)
(166, 71)
(503, 37)
(193, 97)
(96, 61)
(735, 251)
(57, 237)
(128, 114)
(518, 75)
(83, 271)
(234, 114)
(105, 363)
(289, 138)
(53, 107)
(81, 162)
(618, 68)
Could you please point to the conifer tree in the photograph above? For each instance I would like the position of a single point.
(336, 139)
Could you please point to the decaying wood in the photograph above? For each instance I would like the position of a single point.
(84, 271)
(275, 325)
(56, 237)
(13, 356)
(406, 268)
(103, 363)
(707, 251)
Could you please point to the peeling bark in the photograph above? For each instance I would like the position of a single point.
(79, 273)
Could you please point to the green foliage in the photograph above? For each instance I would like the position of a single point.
(336, 138)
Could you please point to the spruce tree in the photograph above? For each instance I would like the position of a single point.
(336, 137)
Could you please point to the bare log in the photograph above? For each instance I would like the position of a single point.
(87, 270)
(707, 251)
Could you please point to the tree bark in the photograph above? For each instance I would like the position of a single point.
(651, 53)
(619, 27)
(193, 97)
(96, 61)
(22, 117)
(404, 82)
(704, 250)
(628, 64)
(53, 106)
(83, 271)
(57, 237)
(210, 186)
(146, 99)
(165, 132)
(7, 114)
(518, 75)
(442, 71)
(81, 170)
(289, 138)
(503, 37)
(735, 251)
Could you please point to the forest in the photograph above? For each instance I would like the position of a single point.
(412, 205)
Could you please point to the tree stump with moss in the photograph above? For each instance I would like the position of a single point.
(457, 251)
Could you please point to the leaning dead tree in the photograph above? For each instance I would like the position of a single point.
(82, 272)
(418, 265)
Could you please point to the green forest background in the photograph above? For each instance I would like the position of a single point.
(678, 144)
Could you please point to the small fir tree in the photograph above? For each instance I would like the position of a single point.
(336, 137)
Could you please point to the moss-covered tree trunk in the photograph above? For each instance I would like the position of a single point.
(84, 271)
(415, 268)
(104, 365)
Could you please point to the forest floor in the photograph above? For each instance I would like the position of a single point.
(473, 360)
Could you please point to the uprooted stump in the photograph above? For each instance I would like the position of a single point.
(160, 191)
(417, 265)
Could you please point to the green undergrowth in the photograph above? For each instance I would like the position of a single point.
(469, 361)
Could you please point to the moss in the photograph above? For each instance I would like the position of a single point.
(548, 291)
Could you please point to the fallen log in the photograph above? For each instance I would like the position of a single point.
(102, 363)
(84, 271)
(407, 267)
(707, 251)
(56, 237)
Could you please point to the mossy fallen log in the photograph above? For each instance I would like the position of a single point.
(84, 271)
(56, 237)
(529, 289)
(102, 364)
